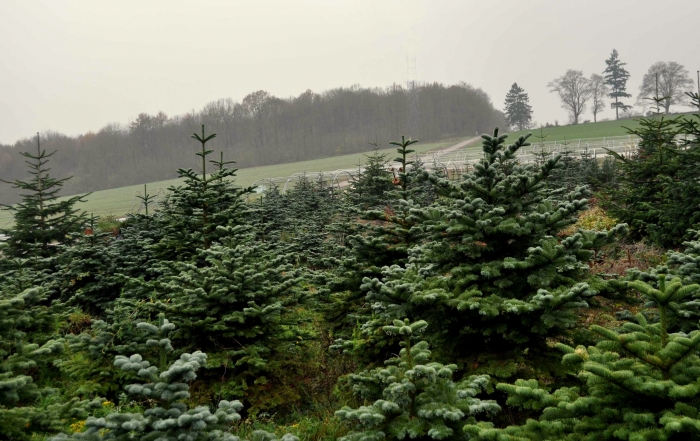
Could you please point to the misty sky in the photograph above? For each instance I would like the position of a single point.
(74, 66)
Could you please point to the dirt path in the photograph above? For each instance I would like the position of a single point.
(460, 145)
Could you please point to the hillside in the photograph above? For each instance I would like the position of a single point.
(260, 130)
(119, 201)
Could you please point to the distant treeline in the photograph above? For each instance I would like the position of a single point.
(260, 130)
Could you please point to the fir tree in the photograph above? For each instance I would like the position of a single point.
(85, 273)
(657, 192)
(41, 220)
(192, 214)
(616, 77)
(369, 188)
(384, 238)
(24, 349)
(639, 382)
(165, 386)
(308, 210)
(518, 110)
(413, 397)
(236, 303)
(492, 277)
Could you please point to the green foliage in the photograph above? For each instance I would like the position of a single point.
(413, 397)
(616, 77)
(640, 382)
(192, 214)
(41, 221)
(491, 276)
(166, 388)
(23, 351)
(659, 187)
(368, 190)
(517, 107)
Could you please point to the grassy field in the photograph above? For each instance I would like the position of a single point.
(582, 131)
(119, 201)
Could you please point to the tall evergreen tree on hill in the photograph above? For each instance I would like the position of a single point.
(518, 110)
(41, 220)
(616, 77)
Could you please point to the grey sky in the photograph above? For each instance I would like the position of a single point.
(74, 66)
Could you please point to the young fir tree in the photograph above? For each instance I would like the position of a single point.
(616, 77)
(368, 190)
(518, 109)
(85, 271)
(41, 220)
(25, 351)
(492, 277)
(234, 301)
(658, 191)
(164, 386)
(192, 214)
(412, 397)
(383, 238)
(308, 211)
(640, 382)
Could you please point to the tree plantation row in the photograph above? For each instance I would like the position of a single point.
(557, 300)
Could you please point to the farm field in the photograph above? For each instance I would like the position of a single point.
(581, 131)
(119, 201)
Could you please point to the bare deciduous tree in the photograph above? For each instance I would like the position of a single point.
(574, 91)
(674, 81)
(599, 90)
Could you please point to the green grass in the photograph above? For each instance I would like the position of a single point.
(119, 201)
(583, 131)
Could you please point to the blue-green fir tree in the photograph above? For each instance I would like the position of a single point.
(26, 349)
(165, 387)
(412, 397)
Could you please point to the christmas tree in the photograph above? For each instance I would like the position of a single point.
(492, 277)
(640, 382)
(413, 397)
(165, 387)
(41, 220)
(616, 77)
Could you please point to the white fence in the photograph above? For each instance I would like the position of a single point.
(459, 161)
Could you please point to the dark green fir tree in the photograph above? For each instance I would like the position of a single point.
(41, 220)
(25, 352)
(192, 213)
(658, 191)
(368, 190)
(383, 238)
(165, 387)
(517, 108)
(640, 382)
(616, 77)
(492, 277)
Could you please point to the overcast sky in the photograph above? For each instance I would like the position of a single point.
(74, 66)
